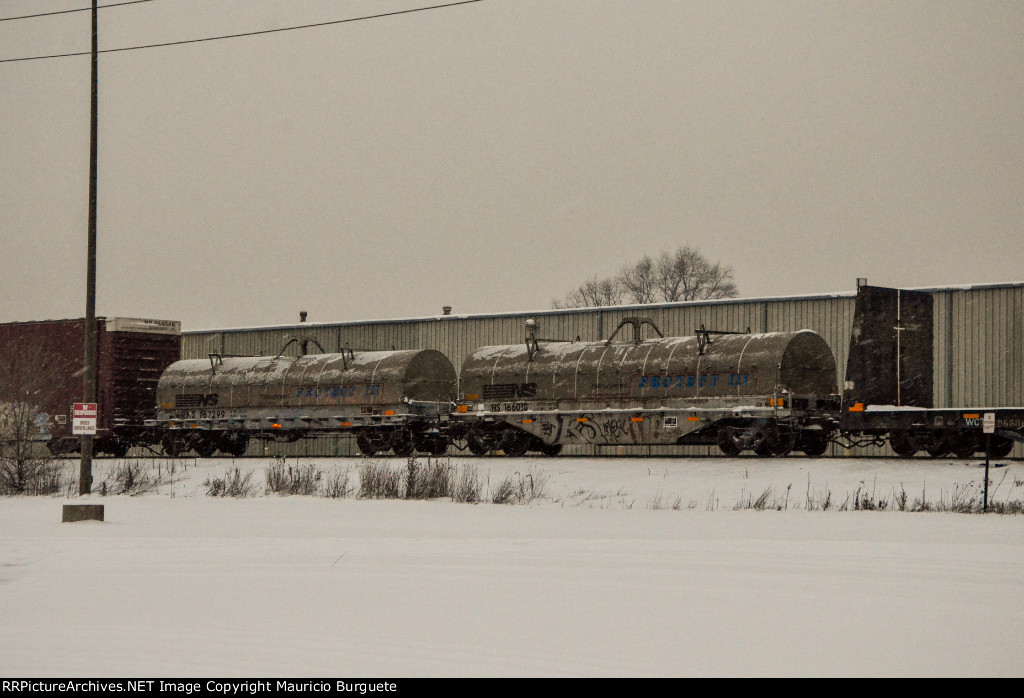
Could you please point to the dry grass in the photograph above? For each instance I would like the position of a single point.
(768, 500)
(135, 476)
(378, 481)
(336, 485)
(433, 479)
(520, 489)
(31, 476)
(439, 479)
(293, 479)
(467, 487)
(233, 484)
(659, 501)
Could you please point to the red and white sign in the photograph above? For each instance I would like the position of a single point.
(83, 418)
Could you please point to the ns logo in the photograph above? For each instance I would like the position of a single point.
(192, 400)
(526, 390)
(509, 391)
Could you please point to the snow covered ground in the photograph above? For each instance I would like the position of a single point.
(620, 567)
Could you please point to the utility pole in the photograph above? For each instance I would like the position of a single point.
(85, 471)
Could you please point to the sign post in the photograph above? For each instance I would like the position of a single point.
(83, 423)
(988, 427)
(83, 418)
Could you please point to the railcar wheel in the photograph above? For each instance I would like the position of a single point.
(1001, 446)
(204, 446)
(727, 442)
(432, 444)
(478, 443)
(238, 447)
(233, 444)
(402, 443)
(365, 444)
(117, 447)
(437, 445)
(173, 445)
(515, 443)
(765, 442)
(963, 445)
(813, 443)
(938, 445)
(903, 444)
(785, 442)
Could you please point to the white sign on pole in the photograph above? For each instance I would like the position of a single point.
(988, 423)
(83, 418)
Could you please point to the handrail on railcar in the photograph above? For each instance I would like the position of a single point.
(637, 323)
(303, 346)
(704, 337)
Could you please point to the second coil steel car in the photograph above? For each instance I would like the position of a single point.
(771, 393)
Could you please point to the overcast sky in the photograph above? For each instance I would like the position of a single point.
(493, 156)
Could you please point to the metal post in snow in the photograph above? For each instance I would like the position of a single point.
(988, 426)
(85, 470)
(988, 453)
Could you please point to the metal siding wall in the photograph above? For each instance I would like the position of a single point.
(941, 349)
(958, 348)
(965, 345)
(257, 342)
(984, 340)
(201, 344)
(1016, 341)
(995, 366)
(988, 359)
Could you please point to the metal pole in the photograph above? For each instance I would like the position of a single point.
(85, 471)
(988, 453)
(899, 327)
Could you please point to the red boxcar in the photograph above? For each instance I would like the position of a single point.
(42, 364)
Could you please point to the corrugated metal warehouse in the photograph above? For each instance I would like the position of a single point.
(978, 343)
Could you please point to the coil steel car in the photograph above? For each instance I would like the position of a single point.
(389, 400)
(769, 393)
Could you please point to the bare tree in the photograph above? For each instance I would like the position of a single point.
(683, 275)
(25, 465)
(687, 275)
(26, 377)
(592, 294)
(639, 281)
(718, 283)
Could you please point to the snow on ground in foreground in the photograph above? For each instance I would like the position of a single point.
(600, 577)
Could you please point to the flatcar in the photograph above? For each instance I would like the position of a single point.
(394, 401)
(769, 393)
(888, 392)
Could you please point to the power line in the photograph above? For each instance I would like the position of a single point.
(255, 33)
(80, 9)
